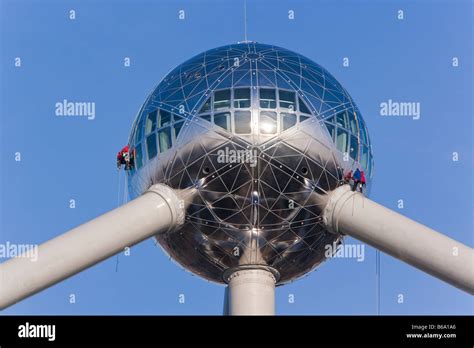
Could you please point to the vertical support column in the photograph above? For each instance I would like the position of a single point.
(225, 310)
(251, 292)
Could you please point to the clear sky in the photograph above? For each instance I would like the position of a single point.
(409, 60)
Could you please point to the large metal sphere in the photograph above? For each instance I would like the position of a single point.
(261, 132)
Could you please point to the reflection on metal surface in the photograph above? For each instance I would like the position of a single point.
(262, 134)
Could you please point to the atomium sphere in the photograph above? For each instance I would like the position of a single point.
(262, 133)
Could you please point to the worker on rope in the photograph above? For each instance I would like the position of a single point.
(356, 178)
(362, 181)
(125, 158)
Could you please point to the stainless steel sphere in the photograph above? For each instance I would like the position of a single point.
(261, 132)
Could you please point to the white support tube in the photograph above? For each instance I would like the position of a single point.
(158, 210)
(251, 292)
(353, 214)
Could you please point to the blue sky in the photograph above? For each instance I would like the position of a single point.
(74, 158)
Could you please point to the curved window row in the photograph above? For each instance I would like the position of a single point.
(230, 109)
(240, 98)
(159, 129)
(350, 136)
(240, 121)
